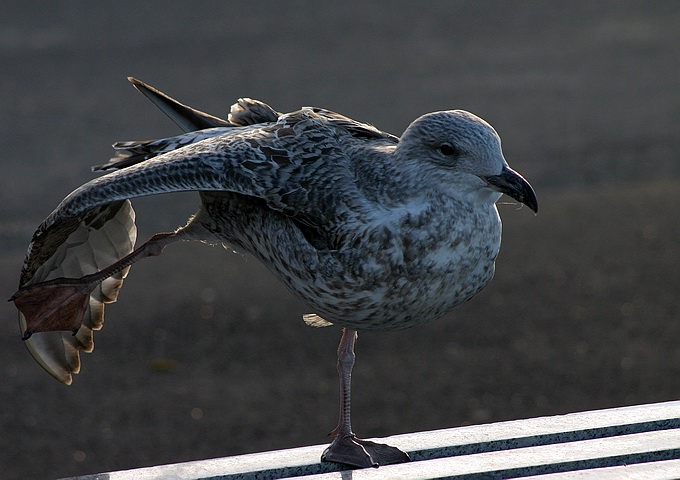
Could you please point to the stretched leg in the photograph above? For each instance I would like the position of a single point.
(346, 447)
(59, 304)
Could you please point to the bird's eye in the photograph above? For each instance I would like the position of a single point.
(448, 150)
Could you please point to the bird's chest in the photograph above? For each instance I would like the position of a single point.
(421, 267)
(399, 273)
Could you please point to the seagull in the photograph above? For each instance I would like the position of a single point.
(372, 231)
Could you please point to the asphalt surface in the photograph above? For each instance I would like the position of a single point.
(206, 355)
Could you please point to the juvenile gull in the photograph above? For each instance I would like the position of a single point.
(371, 231)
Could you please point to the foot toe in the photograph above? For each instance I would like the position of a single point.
(350, 450)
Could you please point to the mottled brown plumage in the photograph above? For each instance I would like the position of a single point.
(372, 231)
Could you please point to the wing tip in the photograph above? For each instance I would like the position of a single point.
(137, 82)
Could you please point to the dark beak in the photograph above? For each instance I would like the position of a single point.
(513, 184)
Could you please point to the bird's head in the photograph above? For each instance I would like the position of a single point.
(463, 152)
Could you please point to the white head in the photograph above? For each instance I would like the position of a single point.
(459, 150)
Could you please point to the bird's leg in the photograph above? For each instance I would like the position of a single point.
(60, 304)
(346, 447)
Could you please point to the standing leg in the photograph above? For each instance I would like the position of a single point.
(346, 447)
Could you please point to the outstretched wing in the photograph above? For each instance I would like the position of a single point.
(297, 165)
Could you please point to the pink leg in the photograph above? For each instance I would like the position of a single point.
(346, 447)
(59, 304)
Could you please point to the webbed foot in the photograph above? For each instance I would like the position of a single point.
(354, 451)
(53, 306)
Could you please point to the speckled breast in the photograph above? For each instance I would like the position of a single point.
(394, 277)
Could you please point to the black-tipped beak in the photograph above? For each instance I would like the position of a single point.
(513, 184)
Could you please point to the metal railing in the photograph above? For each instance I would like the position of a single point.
(640, 442)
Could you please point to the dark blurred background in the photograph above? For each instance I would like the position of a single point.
(206, 355)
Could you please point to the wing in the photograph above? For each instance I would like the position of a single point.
(90, 230)
(354, 128)
(245, 111)
(298, 166)
(197, 124)
(132, 152)
(187, 118)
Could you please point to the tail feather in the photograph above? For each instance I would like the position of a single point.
(93, 244)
